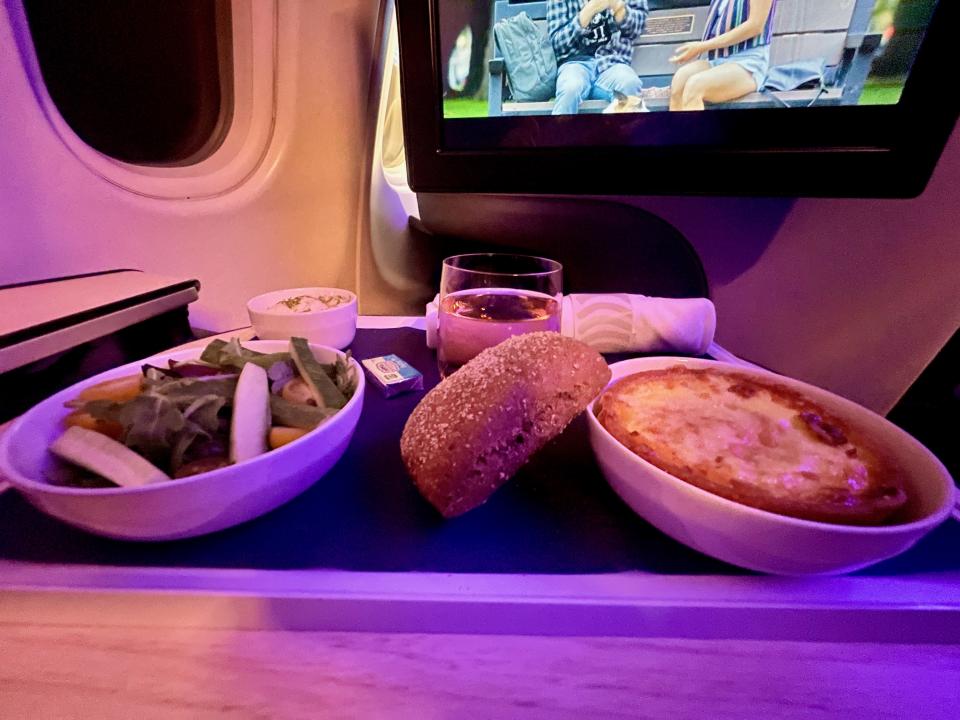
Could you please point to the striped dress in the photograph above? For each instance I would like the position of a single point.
(725, 15)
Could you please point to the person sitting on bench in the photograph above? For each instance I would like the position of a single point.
(736, 40)
(593, 41)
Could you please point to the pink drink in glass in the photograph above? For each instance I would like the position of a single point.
(475, 319)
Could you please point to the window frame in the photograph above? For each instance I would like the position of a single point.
(235, 154)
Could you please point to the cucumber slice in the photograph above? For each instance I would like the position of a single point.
(106, 457)
(251, 414)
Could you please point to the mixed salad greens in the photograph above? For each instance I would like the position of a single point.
(231, 404)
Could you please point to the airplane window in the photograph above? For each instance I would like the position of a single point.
(143, 81)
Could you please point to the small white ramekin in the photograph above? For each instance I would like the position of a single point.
(335, 326)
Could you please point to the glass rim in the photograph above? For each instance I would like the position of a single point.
(555, 266)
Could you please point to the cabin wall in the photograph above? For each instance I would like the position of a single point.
(854, 295)
(292, 222)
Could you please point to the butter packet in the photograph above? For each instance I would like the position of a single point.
(392, 374)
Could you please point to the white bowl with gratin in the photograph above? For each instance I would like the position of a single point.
(766, 541)
(181, 508)
(323, 315)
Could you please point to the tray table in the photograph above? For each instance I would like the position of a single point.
(555, 551)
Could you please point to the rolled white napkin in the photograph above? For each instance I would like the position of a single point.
(636, 323)
(620, 322)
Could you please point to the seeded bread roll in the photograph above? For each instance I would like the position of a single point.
(475, 429)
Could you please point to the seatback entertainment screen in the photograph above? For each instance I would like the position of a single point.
(502, 58)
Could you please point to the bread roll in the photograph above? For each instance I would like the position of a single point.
(475, 429)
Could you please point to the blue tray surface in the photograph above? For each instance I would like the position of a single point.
(558, 515)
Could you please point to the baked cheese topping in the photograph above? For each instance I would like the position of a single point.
(755, 442)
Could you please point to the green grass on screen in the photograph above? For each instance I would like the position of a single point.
(464, 108)
(882, 92)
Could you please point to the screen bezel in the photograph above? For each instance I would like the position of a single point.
(846, 151)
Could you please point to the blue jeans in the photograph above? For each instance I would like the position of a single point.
(578, 80)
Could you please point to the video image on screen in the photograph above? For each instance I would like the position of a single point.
(562, 57)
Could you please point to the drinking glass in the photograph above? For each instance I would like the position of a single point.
(487, 297)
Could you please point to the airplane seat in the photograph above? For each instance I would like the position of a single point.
(604, 246)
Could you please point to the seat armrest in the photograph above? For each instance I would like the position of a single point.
(871, 42)
(496, 66)
(863, 42)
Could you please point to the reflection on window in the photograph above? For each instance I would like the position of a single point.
(142, 81)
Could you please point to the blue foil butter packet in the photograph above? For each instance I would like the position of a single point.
(392, 374)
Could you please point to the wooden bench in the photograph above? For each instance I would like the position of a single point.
(833, 30)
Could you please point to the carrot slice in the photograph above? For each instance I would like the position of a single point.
(280, 436)
(78, 418)
(117, 389)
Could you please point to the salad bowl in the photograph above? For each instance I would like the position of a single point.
(177, 508)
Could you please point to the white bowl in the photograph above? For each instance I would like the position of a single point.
(182, 508)
(761, 540)
(333, 326)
